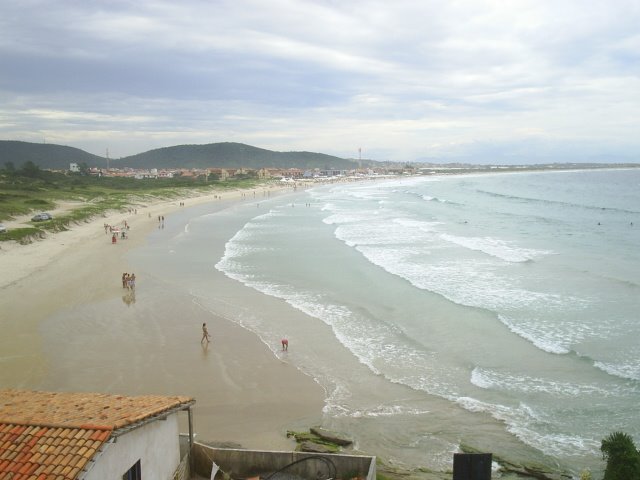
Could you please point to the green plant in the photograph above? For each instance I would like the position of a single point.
(585, 475)
(623, 460)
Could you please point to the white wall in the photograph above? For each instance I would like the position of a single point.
(156, 445)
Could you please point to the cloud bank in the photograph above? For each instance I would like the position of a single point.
(478, 81)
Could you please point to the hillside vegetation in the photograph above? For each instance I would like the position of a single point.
(222, 155)
(231, 155)
(45, 155)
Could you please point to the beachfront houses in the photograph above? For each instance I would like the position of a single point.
(91, 436)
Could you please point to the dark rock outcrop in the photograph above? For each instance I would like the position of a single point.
(331, 437)
(315, 448)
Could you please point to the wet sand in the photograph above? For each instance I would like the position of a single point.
(68, 325)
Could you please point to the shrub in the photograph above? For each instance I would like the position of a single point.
(623, 460)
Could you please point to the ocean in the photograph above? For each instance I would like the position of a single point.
(497, 312)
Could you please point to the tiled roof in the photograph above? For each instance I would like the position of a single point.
(47, 435)
(46, 452)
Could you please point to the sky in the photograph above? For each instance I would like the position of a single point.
(482, 81)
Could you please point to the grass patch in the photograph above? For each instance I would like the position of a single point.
(22, 194)
(22, 235)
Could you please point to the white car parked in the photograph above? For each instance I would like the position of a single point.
(39, 217)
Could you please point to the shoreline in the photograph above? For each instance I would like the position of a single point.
(54, 288)
(234, 377)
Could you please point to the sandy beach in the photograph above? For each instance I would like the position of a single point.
(68, 326)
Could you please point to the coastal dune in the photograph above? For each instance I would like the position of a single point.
(68, 325)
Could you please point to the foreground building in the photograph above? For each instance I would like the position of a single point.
(92, 436)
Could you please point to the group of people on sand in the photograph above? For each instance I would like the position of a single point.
(115, 231)
(129, 281)
(111, 228)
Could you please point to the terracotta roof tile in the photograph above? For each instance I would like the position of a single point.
(48, 435)
(21, 407)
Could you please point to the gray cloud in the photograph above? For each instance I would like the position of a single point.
(403, 80)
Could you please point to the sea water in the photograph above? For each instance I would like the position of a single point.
(497, 311)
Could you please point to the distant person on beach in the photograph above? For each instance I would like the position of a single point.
(205, 333)
(285, 344)
(114, 239)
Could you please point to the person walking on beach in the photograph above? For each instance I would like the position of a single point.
(205, 333)
(285, 344)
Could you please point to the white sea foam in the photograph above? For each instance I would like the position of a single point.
(328, 207)
(466, 282)
(386, 411)
(429, 198)
(420, 225)
(496, 247)
(524, 422)
(406, 245)
(548, 342)
(347, 218)
(630, 370)
(548, 335)
(491, 379)
(374, 234)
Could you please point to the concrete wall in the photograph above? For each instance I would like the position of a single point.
(154, 444)
(183, 472)
(247, 463)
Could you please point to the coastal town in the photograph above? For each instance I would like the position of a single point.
(293, 174)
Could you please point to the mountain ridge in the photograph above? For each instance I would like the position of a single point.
(211, 155)
(45, 155)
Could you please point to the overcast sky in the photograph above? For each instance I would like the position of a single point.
(469, 80)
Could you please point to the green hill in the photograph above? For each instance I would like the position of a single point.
(223, 155)
(230, 155)
(45, 155)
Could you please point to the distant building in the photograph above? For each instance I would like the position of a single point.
(264, 173)
(89, 436)
(73, 167)
(221, 173)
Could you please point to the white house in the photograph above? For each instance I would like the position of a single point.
(90, 436)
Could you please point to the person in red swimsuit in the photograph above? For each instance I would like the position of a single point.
(285, 344)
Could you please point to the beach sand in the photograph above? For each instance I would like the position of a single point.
(68, 325)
